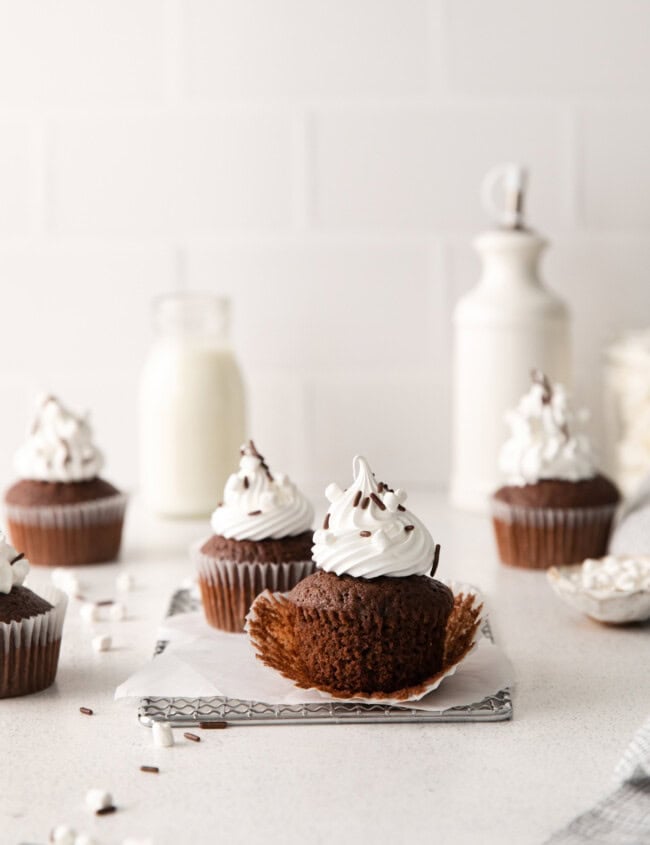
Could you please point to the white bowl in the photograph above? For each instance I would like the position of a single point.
(611, 606)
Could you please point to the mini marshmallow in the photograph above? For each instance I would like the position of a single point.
(333, 492)
(102, 642)
(623, 575)
(117, 612)
(98, 799)
(66, 581)
(89, 612)
(391, 501)
(63, 834)
(163, 736)
(124, 582)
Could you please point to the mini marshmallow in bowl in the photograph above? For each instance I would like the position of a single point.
(610, 589)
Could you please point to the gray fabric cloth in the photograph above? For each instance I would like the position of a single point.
(623, 817)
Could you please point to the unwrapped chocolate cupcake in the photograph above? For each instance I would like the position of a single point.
(262, 540)
(30, 628)
(556, 508)
(61, 512)
(371, 622)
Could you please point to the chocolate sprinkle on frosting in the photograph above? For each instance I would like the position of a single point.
(365, 503)
(357, 499)
(378, 501)
(326, 521)
(364, 533)
(105, 811)
(17, 558)
(254, 513)
(246, 482)
(401, 508)
(409, 528)
(436, 558)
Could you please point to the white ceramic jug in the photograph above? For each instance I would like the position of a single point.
(507, 325)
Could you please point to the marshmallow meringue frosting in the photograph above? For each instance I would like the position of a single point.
(60, 511)
(556, 507)
(262, 539)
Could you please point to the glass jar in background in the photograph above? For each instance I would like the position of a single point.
(627, 409)
(192, 406)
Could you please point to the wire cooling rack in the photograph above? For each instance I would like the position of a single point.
(189, 712)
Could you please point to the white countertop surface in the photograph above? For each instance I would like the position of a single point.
(581, 691)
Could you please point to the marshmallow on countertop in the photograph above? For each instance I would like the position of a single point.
(66, 581)
(619, 574)
(63, 834)
(89, 612)
(163, 736)
(124, 582)
(98, 799)
(102, 642)
(117, 612)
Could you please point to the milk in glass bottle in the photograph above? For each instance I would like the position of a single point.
(192, 407)
(507, 325)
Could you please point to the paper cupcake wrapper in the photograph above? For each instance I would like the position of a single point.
(536, 538)
(272, 630)
(68, 535)
(29, 649)
(228, 588)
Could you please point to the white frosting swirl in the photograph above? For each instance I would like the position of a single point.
(59, 446)
(368, 532)
(545, 440)
(13, 566)
(258, 505)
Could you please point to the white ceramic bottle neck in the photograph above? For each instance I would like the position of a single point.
(510, 258)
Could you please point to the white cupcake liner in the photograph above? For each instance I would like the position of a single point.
(30, 648)
(73, 515)
(228, 587)
(536, 538)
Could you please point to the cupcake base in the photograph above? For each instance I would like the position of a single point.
(29, 649)
(537, 538)
(276, 635)
(230, 577)
(68, 535)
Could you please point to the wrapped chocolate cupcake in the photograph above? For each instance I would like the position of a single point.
(556, 508)
(61, 512)
(262, 540)
(30, 628)
(371, 622)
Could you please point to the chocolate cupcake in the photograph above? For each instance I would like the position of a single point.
(556, 507)
(373, 621)
(262, 541)
(61, 512)
(30, 628)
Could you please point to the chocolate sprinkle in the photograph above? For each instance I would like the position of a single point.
(246, 482)
(86, 711)
(436, 558)
(17, 558)
(357, 499)
(409, 528)
(381, 486)
(364, 533)
(213, 726)
(326, 521)
(401, 508)
(365, 503)
(192, 737)
(254, 513)
(378, 501)
(153, 769)
(105, 811)
(104, 603)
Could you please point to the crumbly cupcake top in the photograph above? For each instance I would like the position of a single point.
(13, 566)
(546, 441)
(368, 532)
(260, 505)
(59, 446)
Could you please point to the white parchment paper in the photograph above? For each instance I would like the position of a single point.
(201, 662)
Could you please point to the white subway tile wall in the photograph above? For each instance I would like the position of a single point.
(319, 163)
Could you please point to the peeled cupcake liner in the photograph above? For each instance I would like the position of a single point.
(271, 627)
(228, 588)
(537, 538)
(68, 535)
(29, 648)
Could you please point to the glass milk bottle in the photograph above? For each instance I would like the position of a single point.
(192, 406)
(508, 324)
